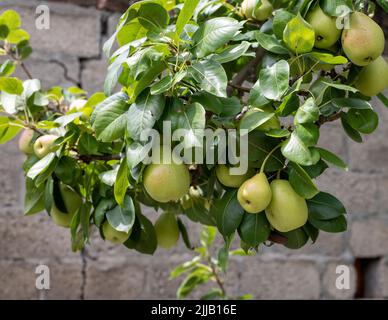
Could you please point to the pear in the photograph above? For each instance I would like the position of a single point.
(287, 210)
(373, 78)
(44, 145)
(364, 41)
(326, 31)
(166, 182)
(229, 180)
(255, 194)
(25, 142)
(167, 230)
(251, 10)
(113, 235)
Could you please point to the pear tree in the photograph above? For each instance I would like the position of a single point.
(273, 71)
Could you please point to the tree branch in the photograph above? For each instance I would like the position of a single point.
(91, 158)
(25, 124)
(239, 88)
(322, 119)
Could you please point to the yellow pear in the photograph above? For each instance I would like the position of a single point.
(252, 10)
(25, 140)
(373, 78)
(287, 210)
(113, 235)
(229, 180)
(326, 31)
(167, 230)
(255, 194)
(166, 181)
(44, 145)
(364, 41)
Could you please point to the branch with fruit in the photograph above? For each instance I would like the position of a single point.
(273, 71)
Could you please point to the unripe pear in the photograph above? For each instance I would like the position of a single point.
(113, 235)
(287, 210)
(167, 230)
(325, 28)
(72, 202)
(251, 10)
(229, 180)
(25, 141)
(364, 41)
(373, 78)
(255, 194)
(166, 182)
(44, 145)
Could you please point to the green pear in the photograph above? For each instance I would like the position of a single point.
(166, 182)
(326, 31)
(287, 210)
(229, 180)
(255, 194)
(72, 202)
(373, 78)
(25, 142)
(364, 41)
(44, 145)
(113, 235)
(167, 230)
(251, 9)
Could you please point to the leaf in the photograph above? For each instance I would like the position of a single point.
(254, 118)
(153, 16)
(295, 150)
(282, 17)
(208, 235)
(332, 158)
(102, 208)
(163, 85)
(11, 19)
(364, 121)
(289, 104)
(308, 133)
(110, 118)
(329, 58)
(254, 229)
(213, 34)
(34, 198)
(144, 113)
(11, 85)
(231, 53)
(41, 166)
(17, 35)
(121, 183)
(224, 107)
(334, 8)
(136, 153)
(270, 43)
(352, 103)
(352, 133)
(296, 239)
(274, 80)
(212, 77)
(308, 112)
(382, 97)
(193, 280)
(301, 181)
(228, 213)
(338, 224)
(298, 35)
(131, 32)
(324, 206)
(278, 133)
(122, 218)
(340, 86)
(185, 235)
(184, 16)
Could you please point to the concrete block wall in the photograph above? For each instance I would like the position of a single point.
(70, 54)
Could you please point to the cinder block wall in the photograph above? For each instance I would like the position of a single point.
(70, 54)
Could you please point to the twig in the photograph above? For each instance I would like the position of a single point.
(26, 71)
(239, 88)
(90, 158)
(323, 119)
(277, 238)
(24, 123)
(219, 282)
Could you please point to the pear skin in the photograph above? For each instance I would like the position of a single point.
(255, 194)
(114, 236)
(287, 210)
(167, 230)
(232, 181)
(364, 41)
(326, 31)
(373, 78)
(25, 142)
(260, 13)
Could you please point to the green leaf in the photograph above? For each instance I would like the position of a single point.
(231, 53)
(274, 80)
(7, 68)
(301, 181)
(278, 133)
(102, 208)
(298, 35)
(332, 158)
(193, 280)
(11, 85)
(331, 7)
(121, 183)
(295, 150)
(296, 239)
(8, 129)
(352, 133)
(34, 198)
(211, 75)
(340, 86)
(329, 58)
(270, 43)
(311, 231)
(67, 170)
(282, 17)
(208, 235)
(122, 217)
(289, 104)
(41, 166)
(110, 118)
(185, 235)
(308, 133)
(308, 112)
(213, 294)
(254, 118)
(254, 229)
(324, 206)
(224, 107)
(352, 103)
(11, 19)
(136, 153)
(184, 16)
(88, 144)
(228, 213)
(153, 16)
(213, 34)
(383, 99)
(364, 120)
(144, 113)
(17, 35)
(163, 85)
(338, 224)
(132, 31)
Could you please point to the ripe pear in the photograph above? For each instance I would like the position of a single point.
(25, 142)
(326, 31)
(113, 235)
(166, 182)
(72, 202)
(44, 145)
(255, 194)
(364, 41)
(251, 10)
(373, 78)
(287, 210)
(229, 180)
(167, 230)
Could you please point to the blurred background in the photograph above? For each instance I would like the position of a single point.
(69, 54)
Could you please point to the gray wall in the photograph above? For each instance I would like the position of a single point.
(70, 52)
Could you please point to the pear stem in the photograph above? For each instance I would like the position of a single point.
(278, 174)
(268, 156)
